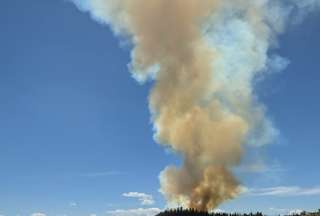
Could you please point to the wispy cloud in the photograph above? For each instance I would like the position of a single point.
(265, 172)
(73, 204)
(283, 191)
(103, 174)
(38, 214)
(145, 199)
(283, 211)
(134, 212)
(279, 210)
(261, 167)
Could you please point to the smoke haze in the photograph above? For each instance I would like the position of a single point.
(205, 57)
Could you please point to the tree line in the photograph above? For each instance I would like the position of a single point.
(194, 212)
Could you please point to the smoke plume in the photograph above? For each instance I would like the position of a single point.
(205, 57)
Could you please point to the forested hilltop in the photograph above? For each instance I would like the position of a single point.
(193, 212)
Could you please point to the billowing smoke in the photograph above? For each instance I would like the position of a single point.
(205, 57)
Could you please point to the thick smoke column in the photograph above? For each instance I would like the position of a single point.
(204, 56)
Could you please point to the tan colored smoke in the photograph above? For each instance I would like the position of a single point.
(168, 33)
(202, 103)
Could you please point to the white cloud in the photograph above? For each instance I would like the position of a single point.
(134, 212)
(145, 199)
(283, 191)
(305, 7)
(217, 211)
(73, 204)
(295, 211)
(279, 210)
(283, 211)
(38, 214)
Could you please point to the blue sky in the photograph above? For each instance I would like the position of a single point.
(75, 131)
